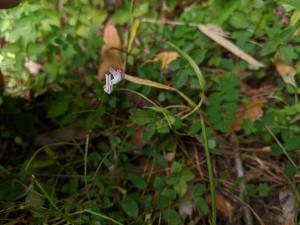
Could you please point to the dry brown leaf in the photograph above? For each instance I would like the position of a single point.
(252, 92)
(166, 58)
(286, 71)
(251, 111)
(215, 33)
(111, 51)
(222, 205)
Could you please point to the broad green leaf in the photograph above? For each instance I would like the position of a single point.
(149, 133)
(130, 207)
(186, 175)
(290, 170)
(158, 183)
(263, 190)
(287, 54)
(199, 190)
(295, 17)
(194, 128)
(180, 187)
(176, 167)
(162, 202)
(172, 217)
(58, 108)
(142, 117)
(138, 181)
(202, 205)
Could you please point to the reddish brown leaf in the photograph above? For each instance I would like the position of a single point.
(111, 50)
(251, 111)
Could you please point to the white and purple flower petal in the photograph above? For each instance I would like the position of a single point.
(108, 84)
(117, 74)
(113, 77)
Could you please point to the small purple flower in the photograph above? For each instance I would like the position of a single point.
(108, 84)
(118, 75)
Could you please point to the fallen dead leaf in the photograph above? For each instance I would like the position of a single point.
(218, 35)
(251, 111)
(286, 71)
(222, 205)
(111, 50)
(252, 92)
(166, 58)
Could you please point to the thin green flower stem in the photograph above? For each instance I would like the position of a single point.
(172, 23)
(139, 94)
(281, 146)
(86, 150)
(100, 215)
(212, 189)
(38, 184)
(128, 34)
(42, 149)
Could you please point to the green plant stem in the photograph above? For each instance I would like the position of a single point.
(128, 34)
(38, 184)
(210, 173)
(100, 215)
(281, 146)
(86, 150)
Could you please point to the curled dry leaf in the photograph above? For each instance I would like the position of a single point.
(215, 33)
(286, 71)
(111, 51)
(166, 58)
(251, 111)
